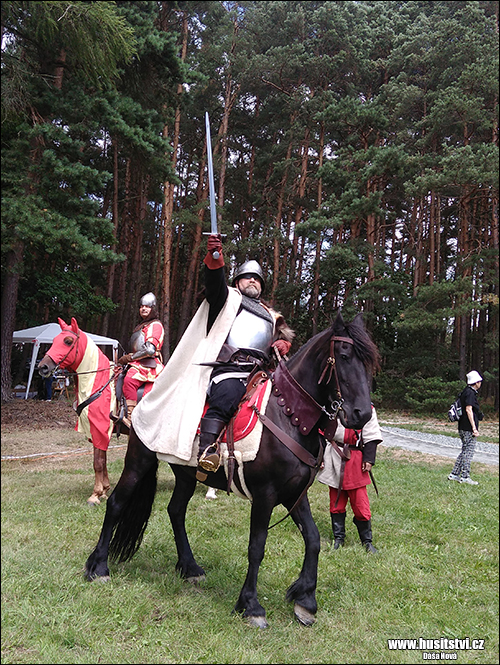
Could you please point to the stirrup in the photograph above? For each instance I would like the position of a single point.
(210, 461)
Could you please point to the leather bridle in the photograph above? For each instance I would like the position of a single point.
(75, 341)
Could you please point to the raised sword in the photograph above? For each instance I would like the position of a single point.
(211, 185)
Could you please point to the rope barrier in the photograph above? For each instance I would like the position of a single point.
(78, 451)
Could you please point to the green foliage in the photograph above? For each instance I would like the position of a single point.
(420, 394)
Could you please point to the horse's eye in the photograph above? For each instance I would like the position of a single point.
(68, 341)
(344, 356)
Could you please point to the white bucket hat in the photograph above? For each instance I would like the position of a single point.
(473, 377)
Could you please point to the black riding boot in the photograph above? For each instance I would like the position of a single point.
(365, 534)
(338, 527)
(208, 454)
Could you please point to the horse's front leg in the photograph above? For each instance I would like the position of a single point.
(140, 469)
(303, 590)
(248, 602)
(185, 485)
(101, 480)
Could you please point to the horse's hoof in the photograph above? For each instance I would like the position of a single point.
(195, 579)
(103, 578)
(303, 616)
(93, 500)
(257, 622)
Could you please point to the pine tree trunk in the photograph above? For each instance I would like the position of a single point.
(9, 302)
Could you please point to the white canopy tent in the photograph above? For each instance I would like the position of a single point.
(45, 335)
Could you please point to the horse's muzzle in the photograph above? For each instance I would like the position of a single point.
(357, 420)
(46, 367)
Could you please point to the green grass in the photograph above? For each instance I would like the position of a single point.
(436, 575)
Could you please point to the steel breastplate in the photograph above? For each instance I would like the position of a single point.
(137, 341)
(250, 331)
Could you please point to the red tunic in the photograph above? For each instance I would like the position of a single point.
(153, 332)
(353, 476)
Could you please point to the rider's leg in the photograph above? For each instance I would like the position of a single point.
(223, 398)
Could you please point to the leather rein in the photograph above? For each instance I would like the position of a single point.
(305, 413)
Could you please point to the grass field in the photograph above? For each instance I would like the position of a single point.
(436, 574)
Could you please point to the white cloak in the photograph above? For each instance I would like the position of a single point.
(167, 418)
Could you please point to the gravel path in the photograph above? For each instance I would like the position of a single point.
(436, 444)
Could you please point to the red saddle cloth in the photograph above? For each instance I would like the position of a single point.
(246, 418)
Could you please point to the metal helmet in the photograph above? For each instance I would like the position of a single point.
(250, 268)
(148, 300)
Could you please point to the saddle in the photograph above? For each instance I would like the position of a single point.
(120, 426)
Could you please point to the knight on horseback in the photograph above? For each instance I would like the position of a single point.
(256, 330)
(144, 363)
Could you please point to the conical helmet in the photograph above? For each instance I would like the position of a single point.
(148, 300)
(250, 268)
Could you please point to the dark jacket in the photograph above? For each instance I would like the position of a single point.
(469, 398)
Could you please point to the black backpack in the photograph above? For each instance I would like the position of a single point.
(455, 410)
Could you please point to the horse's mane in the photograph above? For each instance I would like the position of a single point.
(364, 346)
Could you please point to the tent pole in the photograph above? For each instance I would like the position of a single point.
(36, 346)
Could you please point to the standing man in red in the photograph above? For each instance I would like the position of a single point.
(347, 464)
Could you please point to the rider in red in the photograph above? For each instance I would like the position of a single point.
(144, 363)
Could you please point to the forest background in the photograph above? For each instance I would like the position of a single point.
(355, 154)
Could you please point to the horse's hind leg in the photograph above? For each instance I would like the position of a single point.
(185, 486)
(101, 480)
(126, 506)
(303, 590)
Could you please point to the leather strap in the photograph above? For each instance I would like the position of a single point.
(300, 452)
(93, 397)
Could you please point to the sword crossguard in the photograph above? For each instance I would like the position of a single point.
(215, 254)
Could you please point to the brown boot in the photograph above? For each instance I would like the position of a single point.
(131, 404)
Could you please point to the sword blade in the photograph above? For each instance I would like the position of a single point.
(211, 186)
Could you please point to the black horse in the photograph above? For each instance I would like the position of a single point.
(329, 376)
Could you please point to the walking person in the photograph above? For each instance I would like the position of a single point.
(468, 429)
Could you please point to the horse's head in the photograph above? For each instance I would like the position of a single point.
(64, 350)
(353, 357)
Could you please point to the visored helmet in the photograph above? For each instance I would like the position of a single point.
(148, 300)
(250, 269)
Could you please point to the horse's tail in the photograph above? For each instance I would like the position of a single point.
(134, 516)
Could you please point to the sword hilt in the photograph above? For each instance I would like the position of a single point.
(215, 254)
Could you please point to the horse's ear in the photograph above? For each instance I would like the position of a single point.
(74, 325)
(63, 324)
(358, 321)
(338, 322)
